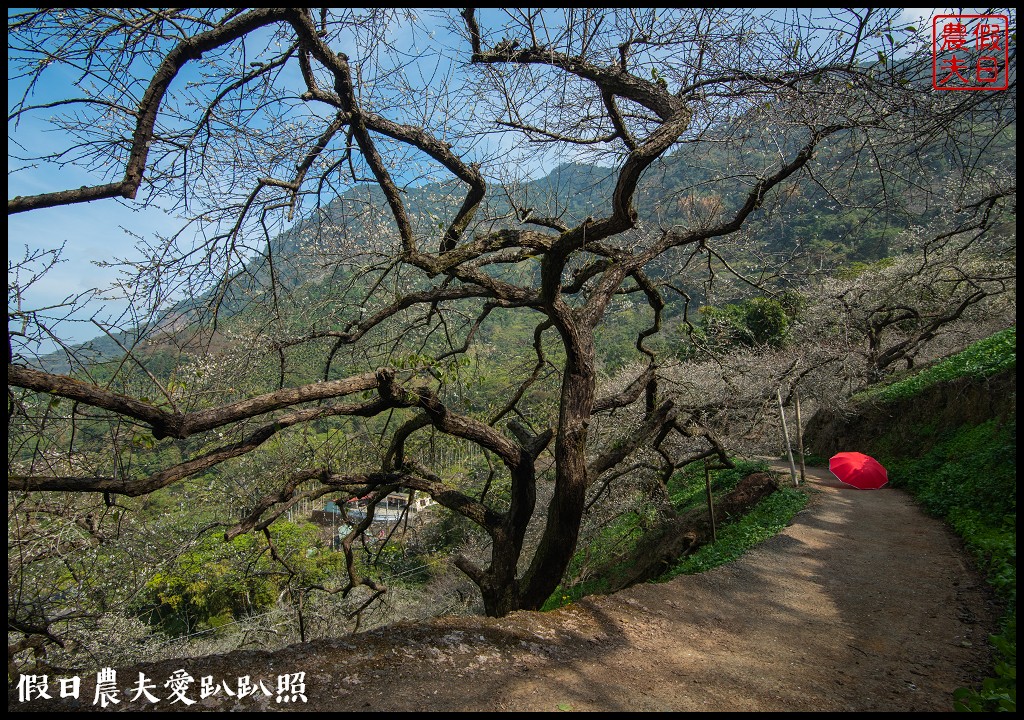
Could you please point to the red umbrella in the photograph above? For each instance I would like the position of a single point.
(857, 469)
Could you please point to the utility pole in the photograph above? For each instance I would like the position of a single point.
(711, 506)
(785, 434)
(799, 435)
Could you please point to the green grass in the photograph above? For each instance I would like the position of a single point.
(980, 360)
(687, 488)
(613, 541)
(687, 491)
(770, 517)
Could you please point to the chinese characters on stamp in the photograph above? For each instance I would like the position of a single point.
(970, 52)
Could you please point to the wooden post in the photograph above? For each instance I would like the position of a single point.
(711, 506)
(785, 434)
(799, 435)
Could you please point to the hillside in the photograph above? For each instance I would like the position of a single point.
(811, 229)
(896, 426)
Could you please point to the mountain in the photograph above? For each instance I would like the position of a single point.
(804, 222)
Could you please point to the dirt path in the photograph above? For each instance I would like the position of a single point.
(862, 604)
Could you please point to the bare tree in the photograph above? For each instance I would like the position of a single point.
(921, 296)
(299, 146)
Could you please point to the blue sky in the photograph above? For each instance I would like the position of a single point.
(89, 233)
(95, 232)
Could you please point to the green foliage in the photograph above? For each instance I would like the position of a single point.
(402, 564)
(971, 471)
(857, 268)
(611, 543)
(755, 322)
(687, 488)
(998, 693)
(616, 336)
(793, 303)
(969, 479)
(767, 320)
(216, 582)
